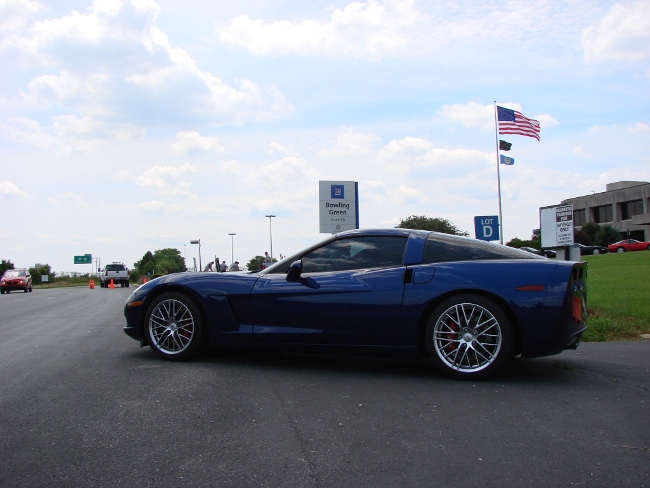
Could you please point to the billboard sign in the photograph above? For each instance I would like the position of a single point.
(486, 227)
(338, 206)
(556, 224)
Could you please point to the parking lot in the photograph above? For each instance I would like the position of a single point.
(82, 404)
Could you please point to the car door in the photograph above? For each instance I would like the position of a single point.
(349, 293)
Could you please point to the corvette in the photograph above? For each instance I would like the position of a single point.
(466, 305)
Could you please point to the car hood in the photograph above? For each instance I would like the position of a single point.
(205, 283)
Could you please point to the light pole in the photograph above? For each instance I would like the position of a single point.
(198, 241)
(270, 233)
(232, 247)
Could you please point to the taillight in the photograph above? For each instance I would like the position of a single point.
(576, 309)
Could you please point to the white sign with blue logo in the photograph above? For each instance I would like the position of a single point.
(338, 206)
(487, 227)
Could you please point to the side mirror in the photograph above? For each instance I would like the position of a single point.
(295, 270)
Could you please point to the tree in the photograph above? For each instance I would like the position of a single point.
(591, 229)
(5, 265)
(38, 273)
(582, 237)
(162, 261)
(607, 235)
(256, 263)
(516, 242)
(426, 223)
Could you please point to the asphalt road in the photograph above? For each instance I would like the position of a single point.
(82, 405)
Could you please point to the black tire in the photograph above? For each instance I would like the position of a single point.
(469, 337)
(2, 292)
(26, 289)
(620, 249)
(595, 251)
(30, 288)
(174, 327)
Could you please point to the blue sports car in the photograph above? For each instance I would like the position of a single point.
(467, 305)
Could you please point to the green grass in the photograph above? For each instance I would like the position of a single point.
(618, 297)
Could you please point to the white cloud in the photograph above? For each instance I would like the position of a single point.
(14, 14)
(191, 142)
(9, 189)
(545, 120)
(153, 206)
(351, 142)
(112, 63)
(74, 199)
(621, 35)
(275, 147)
(470, 114)
(159, 178)
(279, 172)
(360, 29)
(404, 194)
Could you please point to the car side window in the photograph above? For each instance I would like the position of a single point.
(443, 248)
(356, 253)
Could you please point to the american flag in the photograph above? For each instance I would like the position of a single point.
(513, 122)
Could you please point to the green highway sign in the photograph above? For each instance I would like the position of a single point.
(85, 259)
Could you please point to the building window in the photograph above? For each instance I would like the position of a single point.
(630, 209)
(603, 213)
(579, 217)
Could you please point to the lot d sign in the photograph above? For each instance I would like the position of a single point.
(486, 227)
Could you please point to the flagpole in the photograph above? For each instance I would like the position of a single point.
(496, 137)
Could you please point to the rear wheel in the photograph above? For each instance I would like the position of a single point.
(620, 249)
(595, 251)
(469, 337)
(174, 327)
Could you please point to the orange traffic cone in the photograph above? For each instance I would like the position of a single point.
(91, 284)
(111, 284)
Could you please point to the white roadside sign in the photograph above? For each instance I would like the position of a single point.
(556, 225)
(338, 206)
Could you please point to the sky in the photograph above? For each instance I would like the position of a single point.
(129, 126)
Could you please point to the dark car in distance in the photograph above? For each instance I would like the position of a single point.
(16, 279)
(589, 250)
(466, 305)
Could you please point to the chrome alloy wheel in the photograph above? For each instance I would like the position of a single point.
(171, 326)
(467, 337)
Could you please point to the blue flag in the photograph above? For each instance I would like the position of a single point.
(507, 160)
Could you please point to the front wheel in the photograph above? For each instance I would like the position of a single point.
(595, 251)
(469, 337)
(174, 327)
(620, 249)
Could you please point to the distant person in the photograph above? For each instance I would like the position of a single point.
(234, 266)
(223, 267)
(209, 267)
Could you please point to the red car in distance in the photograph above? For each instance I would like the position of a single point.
(16, 279)
(629, 245)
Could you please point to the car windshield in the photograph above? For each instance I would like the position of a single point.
(15, 273)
